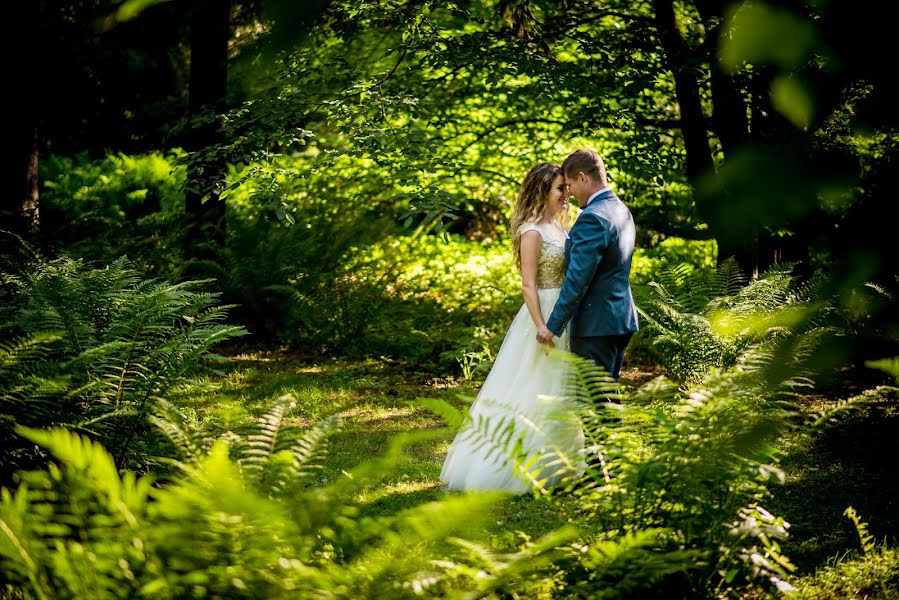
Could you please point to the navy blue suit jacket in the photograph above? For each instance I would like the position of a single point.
(596, 294)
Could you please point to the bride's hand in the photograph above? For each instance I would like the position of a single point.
(545, 336)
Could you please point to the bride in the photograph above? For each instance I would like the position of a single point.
(522, 433)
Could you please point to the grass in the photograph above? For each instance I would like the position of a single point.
(849, 461)
(845, 462)
(376, 401)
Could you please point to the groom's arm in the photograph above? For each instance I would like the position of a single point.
(589, 238)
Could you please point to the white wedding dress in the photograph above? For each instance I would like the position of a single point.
(523, 431)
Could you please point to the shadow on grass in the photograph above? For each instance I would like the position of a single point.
(850, 462)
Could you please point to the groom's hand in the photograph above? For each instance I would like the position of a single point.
(545, 336)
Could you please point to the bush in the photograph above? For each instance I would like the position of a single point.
(95, 348)
(314, 260)
(697, 256)
(238, 529)
(119, 205)
(696, 323)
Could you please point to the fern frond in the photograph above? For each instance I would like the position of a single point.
(887, 365)
(728, 280)
(865, 538)
(189, 442)
(309, 450)
(261, 446)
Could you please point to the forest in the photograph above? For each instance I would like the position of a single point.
(256, 264)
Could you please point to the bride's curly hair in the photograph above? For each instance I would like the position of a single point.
(531, 202)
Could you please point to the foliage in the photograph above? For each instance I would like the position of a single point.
(670, 253)
(698, 322)
(119, 205)
(677, 510)
(306, 271)
(672, 503)
(95, 348)
(873, 573)
(82, 530)
(445, 101)
(232, 528)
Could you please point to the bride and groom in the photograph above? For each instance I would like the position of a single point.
(522, 430)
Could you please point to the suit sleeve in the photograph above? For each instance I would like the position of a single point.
(589, 239)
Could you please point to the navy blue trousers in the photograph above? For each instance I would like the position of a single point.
(606, 351)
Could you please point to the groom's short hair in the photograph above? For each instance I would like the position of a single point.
(586, 161)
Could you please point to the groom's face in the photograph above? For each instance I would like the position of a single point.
(576, 188)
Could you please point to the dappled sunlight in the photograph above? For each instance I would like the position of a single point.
(441, 449)
(368, 414)
(398, 418)
(402, 487)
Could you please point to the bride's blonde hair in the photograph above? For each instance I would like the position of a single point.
(531, 202)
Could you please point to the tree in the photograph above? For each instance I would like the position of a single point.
(83, 85)
(210, 33)
(460, 99)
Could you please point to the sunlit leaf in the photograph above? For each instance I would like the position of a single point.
(793, 101)
(757, 33)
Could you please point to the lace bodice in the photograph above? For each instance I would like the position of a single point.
(551, 259)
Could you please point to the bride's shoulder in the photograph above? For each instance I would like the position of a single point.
(526, 227)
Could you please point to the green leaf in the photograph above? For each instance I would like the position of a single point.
(760, 34)
(793, 101)
(887, 365)
(450, 414)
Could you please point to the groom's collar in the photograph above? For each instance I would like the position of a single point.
(597, 194)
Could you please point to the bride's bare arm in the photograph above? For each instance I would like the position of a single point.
(529, 250)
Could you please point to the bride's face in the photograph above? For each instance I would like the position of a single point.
(558, 197)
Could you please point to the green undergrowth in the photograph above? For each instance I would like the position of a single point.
(827, 468)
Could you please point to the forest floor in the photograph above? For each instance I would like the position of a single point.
(851, 461)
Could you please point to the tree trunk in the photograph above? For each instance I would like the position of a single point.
(31, 194)
(695, 129)
(210, 32)
(770, 128)
(21, 213)
(693, 121)
(730, 119)
(19, 209)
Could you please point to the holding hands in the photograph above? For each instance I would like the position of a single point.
(545, 336)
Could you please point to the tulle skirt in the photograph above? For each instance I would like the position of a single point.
(523, 431)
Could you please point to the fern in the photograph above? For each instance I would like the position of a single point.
(699, 327)
(865, 539)
(275, 459)
(80, 529)
(116, 345)
(190, 443)
(728, 280)
(497, 571)
(678, 467)
(887, 365)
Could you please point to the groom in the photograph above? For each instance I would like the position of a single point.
(596, 294)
